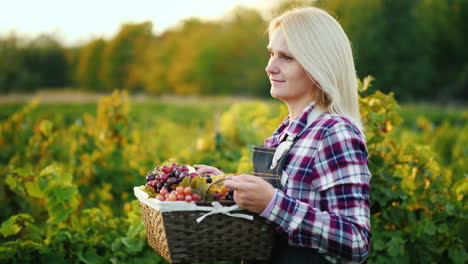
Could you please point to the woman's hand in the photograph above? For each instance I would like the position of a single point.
(250, 192)
(204, 169)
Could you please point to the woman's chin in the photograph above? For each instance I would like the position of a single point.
(277, 94)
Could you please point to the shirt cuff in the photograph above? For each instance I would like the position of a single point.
(270, 205)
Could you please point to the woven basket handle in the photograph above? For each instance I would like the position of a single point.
(215, 182)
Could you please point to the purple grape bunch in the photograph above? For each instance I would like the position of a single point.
(167, 176)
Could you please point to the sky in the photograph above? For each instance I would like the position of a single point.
(77, 22)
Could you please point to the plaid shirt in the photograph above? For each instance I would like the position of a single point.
(325, 203)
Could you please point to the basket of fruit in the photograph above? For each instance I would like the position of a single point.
(191, 217)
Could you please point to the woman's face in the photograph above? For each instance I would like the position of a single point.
(289, 81)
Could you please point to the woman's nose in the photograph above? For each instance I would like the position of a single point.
(271, 67)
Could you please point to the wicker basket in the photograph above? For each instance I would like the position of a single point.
(178, 238)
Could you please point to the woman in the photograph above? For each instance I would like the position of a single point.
(314, 180)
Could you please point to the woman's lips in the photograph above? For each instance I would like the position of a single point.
(278, 81)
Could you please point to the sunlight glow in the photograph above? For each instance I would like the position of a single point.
(76, 22)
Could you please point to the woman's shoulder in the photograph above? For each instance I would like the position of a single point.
(329, 124)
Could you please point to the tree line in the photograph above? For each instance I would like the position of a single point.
(415, 49)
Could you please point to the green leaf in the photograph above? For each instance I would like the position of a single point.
(430, 228)
(443, 228)
(8, 250)
(457, 254)
(396, 246)
(150, 191)
(56, 258)
(23, 172)
(134, 230)
(33, 190)
(9, 229)
(133, 245)
(63, 234)
(58, 213)
(67, 177)
(64, 193)
(185, 182)
(116, 245)
(450, 209)
(11, 181)
(135, 206)
(378, 244)
(46, 127)
(90, 257)
(199, 185)
(42, 183)
(47, 170)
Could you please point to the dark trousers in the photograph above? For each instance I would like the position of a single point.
(283, 253)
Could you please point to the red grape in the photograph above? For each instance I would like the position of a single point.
(196, 197)
(164, 177)
(150, 177)
(180, 190)
(172, 180)
(152, 183)
(160, 185)
(188, 190)
(166, 169)
(172, 197)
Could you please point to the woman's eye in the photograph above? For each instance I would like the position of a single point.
(285, 57)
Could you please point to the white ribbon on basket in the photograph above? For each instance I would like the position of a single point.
(219, 209)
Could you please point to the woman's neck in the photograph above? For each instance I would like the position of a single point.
(296, 109)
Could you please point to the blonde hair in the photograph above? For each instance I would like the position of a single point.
(319, 44)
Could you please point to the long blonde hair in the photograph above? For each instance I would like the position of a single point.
(319, 44)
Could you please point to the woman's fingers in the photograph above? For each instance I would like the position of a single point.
(236, 182)
(233, 184)
(204, 169)
(251, 193)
